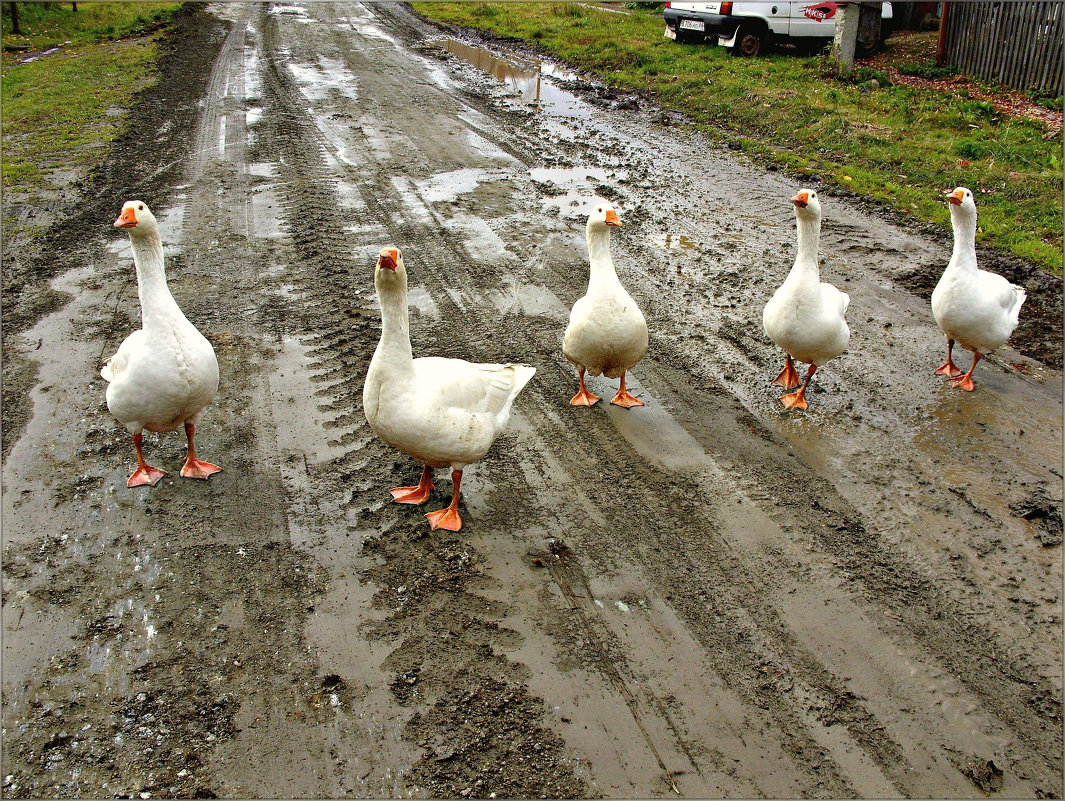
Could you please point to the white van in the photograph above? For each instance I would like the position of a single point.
(747, 28)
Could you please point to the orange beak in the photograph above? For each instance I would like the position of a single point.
(612, 218)
(801, 200)
(389, 259)
(127, 219)
(954, 198)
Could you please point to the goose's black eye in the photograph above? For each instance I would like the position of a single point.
(140, 207)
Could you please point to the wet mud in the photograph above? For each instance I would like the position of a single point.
(706, 596)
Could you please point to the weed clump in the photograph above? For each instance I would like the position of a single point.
(928, 70)
(972, 149)
(863, 77)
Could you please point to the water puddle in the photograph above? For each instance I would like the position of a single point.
(261, 169)
(47, 52)
(524, 78)
(418, 296)
(317, 81)
(303, 426)
(529, 300)
(291, 11)
(576, 185)
(363, 26)
(447, 186)
(480, 241)
(654, 433)
(252, 84)
(672, 242)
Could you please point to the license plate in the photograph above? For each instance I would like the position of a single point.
(692, 25)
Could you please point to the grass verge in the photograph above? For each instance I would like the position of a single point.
(900, 145)
(45, 25)
(60, 109)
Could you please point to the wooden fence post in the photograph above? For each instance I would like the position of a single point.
(941, 45)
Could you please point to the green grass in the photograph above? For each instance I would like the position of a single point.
(61, 109)
(900, 145)
(45, 25)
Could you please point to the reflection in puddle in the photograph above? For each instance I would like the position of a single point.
(524, 77)
(672, 241)
(447, 186)
(577, 183)
(318, 81)
(292, 11)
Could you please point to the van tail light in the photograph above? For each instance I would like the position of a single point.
(726, 8)
(669, 5)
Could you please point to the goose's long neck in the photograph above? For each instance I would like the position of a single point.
(809, 234)
(602, 266)
(394, 347)
(964, 254)
(158, 306)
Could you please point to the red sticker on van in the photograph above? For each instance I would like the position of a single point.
(821, 11)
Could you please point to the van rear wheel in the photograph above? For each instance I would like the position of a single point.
(750, 42)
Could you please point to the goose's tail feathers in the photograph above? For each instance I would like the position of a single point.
(1019, 297)
(523, 374)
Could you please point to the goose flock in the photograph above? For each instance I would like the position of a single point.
(445, 412)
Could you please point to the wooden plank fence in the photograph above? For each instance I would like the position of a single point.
(1019, 44)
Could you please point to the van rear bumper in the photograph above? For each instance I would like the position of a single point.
(723, 27)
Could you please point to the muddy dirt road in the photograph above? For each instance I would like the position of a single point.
(706, 596)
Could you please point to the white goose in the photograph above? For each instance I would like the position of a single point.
(607, 332)
(442, 412)
(805, 317)
(165, 374)
(973, 307)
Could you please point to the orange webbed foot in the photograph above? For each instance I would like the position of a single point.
(145, 475)
(794, 400)
(584, 398)
(447, 519)
(962, 382)
(625, 400)
(414, 495)
(195, 468)
(949, 369)
(788, 378)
